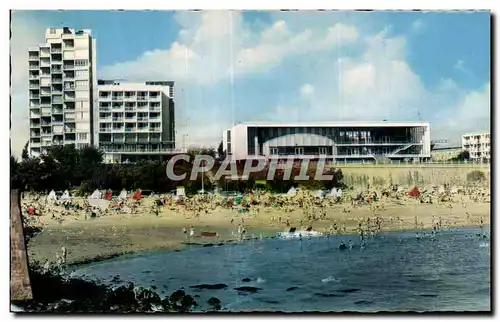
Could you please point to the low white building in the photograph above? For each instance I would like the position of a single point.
(478, 145)
(348, 141)
(136, 120)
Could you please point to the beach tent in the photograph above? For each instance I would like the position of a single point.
(181, 192)
(65, 197)
(318, 194)
(414, 192)
(108, 195)
(137, 195)
(333, 192)
(102, 204)
(96, 194)
(292, 192)
(52, 197)
(123, 195)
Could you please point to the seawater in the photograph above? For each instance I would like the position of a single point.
(395, 272)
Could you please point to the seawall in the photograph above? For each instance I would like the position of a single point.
(361, 175)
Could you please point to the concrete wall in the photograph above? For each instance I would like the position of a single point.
(411, 174)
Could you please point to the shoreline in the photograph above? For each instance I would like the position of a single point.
(117, 234)
(183, 245)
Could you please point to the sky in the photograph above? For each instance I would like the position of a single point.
(283, 66)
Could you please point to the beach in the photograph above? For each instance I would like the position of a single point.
(92, 239)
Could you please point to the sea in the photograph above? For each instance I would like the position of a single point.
(395, 272)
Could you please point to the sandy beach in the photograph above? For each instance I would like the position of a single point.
(112, 234)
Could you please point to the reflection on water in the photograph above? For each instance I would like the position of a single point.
(394, 272)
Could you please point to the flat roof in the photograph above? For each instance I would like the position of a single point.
(333, 124)
(476, 133)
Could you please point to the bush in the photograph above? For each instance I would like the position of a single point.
(476, 176)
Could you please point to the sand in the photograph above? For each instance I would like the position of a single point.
(107, 236)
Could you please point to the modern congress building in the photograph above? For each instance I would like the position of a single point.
(353, 141)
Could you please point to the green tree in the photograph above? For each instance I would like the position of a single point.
(24, 153)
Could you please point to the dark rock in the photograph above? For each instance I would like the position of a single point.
(249, 289)
(363, 302)
(246, 279)
(208, 245)
(210, 286)
(292, 288)
(349, 290)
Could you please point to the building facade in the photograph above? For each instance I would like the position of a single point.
(374, 141)
(62, 78)
(445, 153)
(478, 145)
(135, 121)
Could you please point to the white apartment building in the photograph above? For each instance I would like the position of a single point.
(62, 74)
(136, 120)
(478, 145)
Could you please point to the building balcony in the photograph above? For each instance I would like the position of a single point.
(155, 108)
(34, 86)
(117, 98)
(32, 96)
(129, 109)
(33, 66)
(105, 130)
(118, 119)
(34, 115)
(68, 67)
(35, 144)
(34, 76)
(56, 50)
(34, 125)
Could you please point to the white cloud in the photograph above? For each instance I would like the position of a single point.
(306, 90)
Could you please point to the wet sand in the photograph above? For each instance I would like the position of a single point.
(111, 235)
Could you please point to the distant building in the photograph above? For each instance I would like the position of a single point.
(62, 75)
(478, 145)
(135, 121)
(346, 141)
(445, 154)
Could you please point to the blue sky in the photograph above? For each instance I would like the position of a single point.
(284, 66)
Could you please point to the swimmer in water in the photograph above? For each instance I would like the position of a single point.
(418, 236)
(350, 245)
(342, 245)
(363, 244)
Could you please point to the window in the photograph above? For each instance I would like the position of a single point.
(228, 135)
(274, 151)
(82, 73)
(81, 62)
(82, 136)
(299, 151)
(52, 31)
(322, 150)
(81, 84)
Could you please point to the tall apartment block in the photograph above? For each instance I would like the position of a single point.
(478, 145)
(62, 74)
(136, 120)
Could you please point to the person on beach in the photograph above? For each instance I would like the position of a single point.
(191, 232)
(184, 231)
